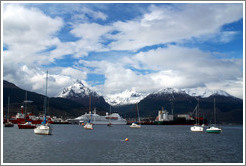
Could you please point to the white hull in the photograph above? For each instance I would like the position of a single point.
(88, 126)
(197, 128)
(134, 125)
(43, 130)
(114, 119)
(213, 130)
(106, 122)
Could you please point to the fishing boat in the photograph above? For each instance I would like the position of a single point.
(27, 124)
(197, 127)
(134, 124)
(212, 128)
(45, 128)
(8, 123)
(89, 125)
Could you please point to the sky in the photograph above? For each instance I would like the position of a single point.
(113, 47)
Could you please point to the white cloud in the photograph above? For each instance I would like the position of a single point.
(172, 24)
(174, 66)
(27, 33)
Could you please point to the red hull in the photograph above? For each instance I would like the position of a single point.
(17, 121)
(23, 126)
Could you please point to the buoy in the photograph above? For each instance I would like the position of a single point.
(126, 139)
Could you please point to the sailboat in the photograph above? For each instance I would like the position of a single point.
(28, 124)
(8, 123)
(45, 128)
(213, 128)
(88, 124)
(109, 123)
(134, 124)
(197, 126)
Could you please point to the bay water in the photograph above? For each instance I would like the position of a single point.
(150, 144)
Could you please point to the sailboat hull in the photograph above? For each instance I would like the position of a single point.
(213, 130)
(134, 125)
(88, 126)
(8, 124)
(197, 128)
(43, 130)
(27, 125)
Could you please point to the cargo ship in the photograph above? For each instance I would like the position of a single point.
(164, 118)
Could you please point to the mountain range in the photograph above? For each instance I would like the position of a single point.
(74, 101)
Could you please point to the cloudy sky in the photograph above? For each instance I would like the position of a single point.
(117, 46)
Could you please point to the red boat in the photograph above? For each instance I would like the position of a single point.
(27, 125)
(21, 118)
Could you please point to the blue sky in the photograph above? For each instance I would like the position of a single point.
(113, 47)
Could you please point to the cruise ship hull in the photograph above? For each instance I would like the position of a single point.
(114, 119)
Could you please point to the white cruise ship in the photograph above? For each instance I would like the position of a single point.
(114, 119)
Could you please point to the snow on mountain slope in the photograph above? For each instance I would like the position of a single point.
(205, 92)
(78, 89)
(126, 97)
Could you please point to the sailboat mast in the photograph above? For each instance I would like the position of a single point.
(198, 113)
(8, 110)
(45, 99)
(214, 112)
(138, 115)
(136, 112)
(25, 103)
(110, 114)
(90, 118)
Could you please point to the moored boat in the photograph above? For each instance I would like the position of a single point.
(88, 126)
(27, 125)
(213, 128)
(45, 128)
(134, 124)
(197, 127)
(8, 124)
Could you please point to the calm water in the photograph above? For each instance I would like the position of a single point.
(150, 144)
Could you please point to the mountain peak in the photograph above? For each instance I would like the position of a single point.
(78, 89)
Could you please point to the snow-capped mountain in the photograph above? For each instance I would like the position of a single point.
(79, 92)
(205, 92)
(78, 89)
(195, 92)
(124, 98)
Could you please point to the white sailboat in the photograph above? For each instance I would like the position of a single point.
(45, 128)
(134, 124)
(197, 127)
(89, 125)
(213, 128)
